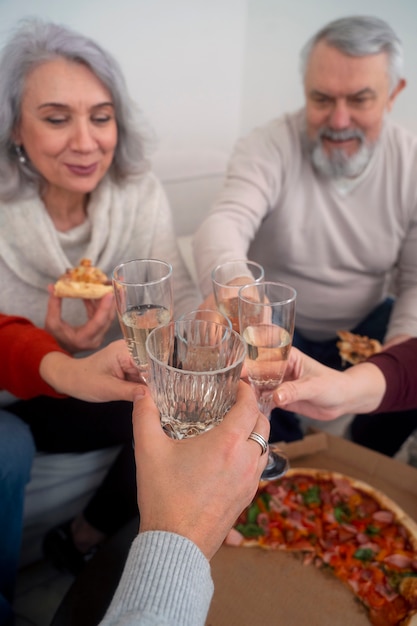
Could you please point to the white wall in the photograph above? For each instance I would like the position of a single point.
(183, 60)
(278, 29)
(205, 71)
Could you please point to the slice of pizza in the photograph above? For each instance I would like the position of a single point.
(356, 348)
(83, 281)
(343, 525)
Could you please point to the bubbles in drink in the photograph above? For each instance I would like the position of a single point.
(136, 325)
(190, 402)
(267, 350)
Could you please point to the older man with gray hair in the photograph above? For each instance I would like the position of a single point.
(325, 198)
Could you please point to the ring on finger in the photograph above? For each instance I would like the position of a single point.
(260, 440)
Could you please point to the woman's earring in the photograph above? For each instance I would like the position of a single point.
(20, 154)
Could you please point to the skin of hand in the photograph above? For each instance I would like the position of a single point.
(106, 375)
(90, 335)
(197, 487)
(323, 393)
(209, 303)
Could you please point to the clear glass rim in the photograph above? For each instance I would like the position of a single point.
(193, 372)
(142, 261)
(232, 261)
(291, 298)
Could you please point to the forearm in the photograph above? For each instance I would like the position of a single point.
(251, 189)
(365, 389)
(103, 376)
(218, 239)
(166, 582)
(60, 372)
(399, 367)
(23, 348)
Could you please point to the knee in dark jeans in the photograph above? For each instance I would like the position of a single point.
(383, 432)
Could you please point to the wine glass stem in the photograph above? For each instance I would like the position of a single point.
(277, 463)
(265, 405)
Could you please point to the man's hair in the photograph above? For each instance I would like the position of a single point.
(359, 36)
(34, 43)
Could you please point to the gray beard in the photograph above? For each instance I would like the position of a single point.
(338, 164)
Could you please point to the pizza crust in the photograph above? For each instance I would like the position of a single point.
(87, 291)
(83, 281)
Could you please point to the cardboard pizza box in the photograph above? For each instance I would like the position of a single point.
(255, 587)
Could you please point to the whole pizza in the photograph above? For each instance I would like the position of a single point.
(83, 281)
(345, 526)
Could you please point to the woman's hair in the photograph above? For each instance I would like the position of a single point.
(36, 42)
(359, 36)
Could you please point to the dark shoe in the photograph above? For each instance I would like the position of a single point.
(58, 548)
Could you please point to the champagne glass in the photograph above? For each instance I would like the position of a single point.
(267, 318)
(194, 373)
(227, 279)
(144, 300)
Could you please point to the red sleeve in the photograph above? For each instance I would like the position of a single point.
(399, 366)
(23, 346)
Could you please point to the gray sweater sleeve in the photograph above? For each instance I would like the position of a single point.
(166, 582)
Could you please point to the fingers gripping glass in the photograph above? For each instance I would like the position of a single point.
(227, 279)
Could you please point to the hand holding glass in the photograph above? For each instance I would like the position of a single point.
(227, 279)
(143, 293)
(267, 318)
(194, 372)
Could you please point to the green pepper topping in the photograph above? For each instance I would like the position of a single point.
(312, 495)
(364, 554)
(266, 498)
(253, 512)
(342, 512)
(250, 530)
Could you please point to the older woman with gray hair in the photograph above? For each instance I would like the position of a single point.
(75, 182)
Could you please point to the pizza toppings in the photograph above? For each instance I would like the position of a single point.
(341, 525)
(356, 348)
(84, 281)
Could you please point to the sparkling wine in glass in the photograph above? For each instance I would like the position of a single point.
(267, 347)
(194, 373)
(267, 318)
(144, 300)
